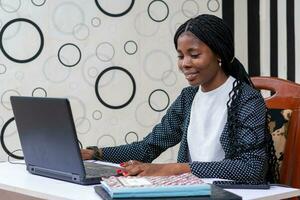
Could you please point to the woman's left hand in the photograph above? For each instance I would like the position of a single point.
(133, 168)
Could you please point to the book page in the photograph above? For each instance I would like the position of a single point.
(138, 181)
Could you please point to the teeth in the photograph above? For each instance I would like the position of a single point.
(190, 76)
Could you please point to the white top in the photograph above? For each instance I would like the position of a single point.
(207, 121)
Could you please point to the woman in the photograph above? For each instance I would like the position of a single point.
(219, 120)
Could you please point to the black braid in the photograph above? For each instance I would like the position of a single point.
(217, 35)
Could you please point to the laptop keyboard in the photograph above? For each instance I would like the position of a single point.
(98, 170)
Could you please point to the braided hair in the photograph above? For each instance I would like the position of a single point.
(218, 37)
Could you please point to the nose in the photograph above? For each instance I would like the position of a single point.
(186, 62)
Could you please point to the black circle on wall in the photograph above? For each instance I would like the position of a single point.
(3, 143)
(130, 133)
(27, 21)
(39, 88)
(112, 14)
(213, 10)
(149, 100)
(38, 4)
(133, 87)
(163, 19)
(130, 42)
(69, 44)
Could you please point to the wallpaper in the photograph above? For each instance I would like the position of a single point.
(115, 59)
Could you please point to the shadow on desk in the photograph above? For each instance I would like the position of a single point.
(216, 193)
(8, 195)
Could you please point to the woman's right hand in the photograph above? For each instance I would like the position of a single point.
(87, 154)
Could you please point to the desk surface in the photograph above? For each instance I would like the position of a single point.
(15, 178)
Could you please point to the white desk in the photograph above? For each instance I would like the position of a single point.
(17, 183)
(15, 178)
(274, 193)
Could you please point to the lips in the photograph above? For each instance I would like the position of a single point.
(190, 76)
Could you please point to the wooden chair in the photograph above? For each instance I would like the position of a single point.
(286, 95)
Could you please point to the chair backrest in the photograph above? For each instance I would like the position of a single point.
(286, 95)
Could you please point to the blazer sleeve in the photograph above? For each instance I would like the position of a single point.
(166, 134)
(249, 160)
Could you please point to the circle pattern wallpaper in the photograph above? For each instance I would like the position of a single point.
(114, 60)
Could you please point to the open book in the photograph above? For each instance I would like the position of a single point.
(156, 186)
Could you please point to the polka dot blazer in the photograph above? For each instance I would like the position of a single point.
(249, 162)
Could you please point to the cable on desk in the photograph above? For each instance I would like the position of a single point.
(8, 158)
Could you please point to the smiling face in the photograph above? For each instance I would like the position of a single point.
(199, 63)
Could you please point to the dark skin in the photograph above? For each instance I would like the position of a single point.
(200, 66)
(199, 63)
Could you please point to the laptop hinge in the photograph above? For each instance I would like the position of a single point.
(54, 173)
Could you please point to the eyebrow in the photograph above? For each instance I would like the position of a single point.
(189, 50)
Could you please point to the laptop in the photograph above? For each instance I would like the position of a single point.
(49, 141)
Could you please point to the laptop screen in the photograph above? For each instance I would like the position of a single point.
(47, 133)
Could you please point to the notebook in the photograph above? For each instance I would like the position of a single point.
(183, 185)
(216, 194)
(49, 141)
